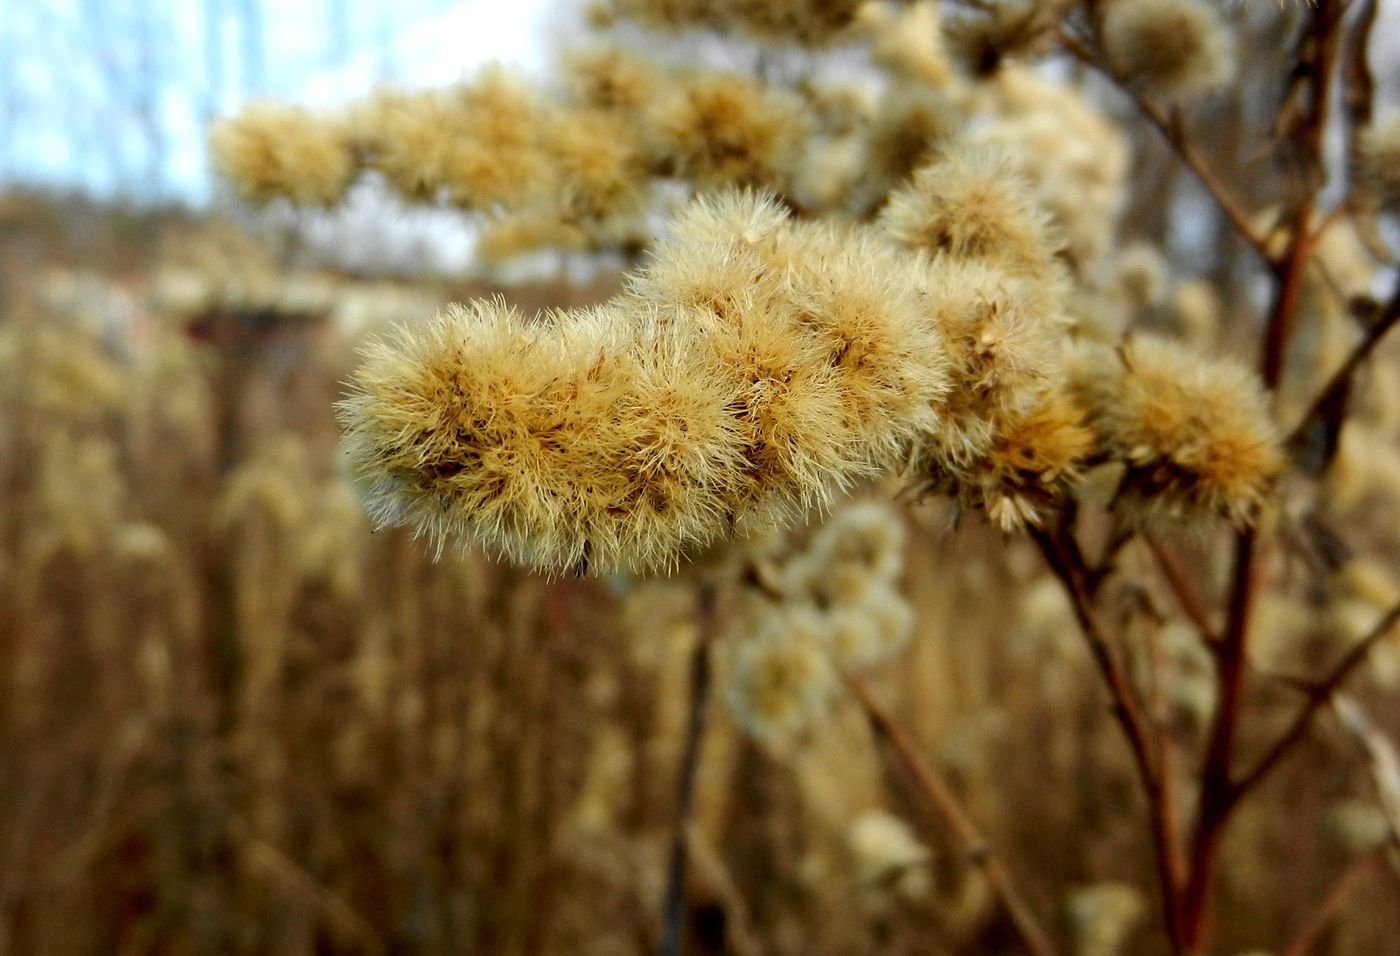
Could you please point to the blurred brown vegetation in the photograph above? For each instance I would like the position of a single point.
(235, 721)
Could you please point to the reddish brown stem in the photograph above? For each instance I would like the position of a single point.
(1318, 695)
(940, 796)
(1186, 596)
(673, 905)
(1218, 794)
(1339, 384)
(1173, 131)
(1067, 565)
(1216, 790)
(1327, 911)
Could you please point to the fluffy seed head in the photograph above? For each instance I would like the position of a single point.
(908, 41)
(887, 857)
(1075, 159)
(721, 129)
(1004, 334)
(598, 163)
(823, 332)
(985, 38)
(910, 123)
(1194, 431)
(1179, 49)
(782, 677)
(867, 536)
(563, 443)
(753, 369)
(475, 144)
(971, 203)
(1032, 462)
(864, 633)
(274, 151)
(610, 79)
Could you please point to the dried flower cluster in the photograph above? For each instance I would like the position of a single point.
(798, 356)
(827, 604)
(1178, 49)
(753, 368)
(1194, 432)
(272, 150)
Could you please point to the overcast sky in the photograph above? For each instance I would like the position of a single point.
(112, 95)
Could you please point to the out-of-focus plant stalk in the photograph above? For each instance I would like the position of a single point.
(673, 904)
(940, 796)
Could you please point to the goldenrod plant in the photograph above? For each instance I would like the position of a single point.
(989, 404)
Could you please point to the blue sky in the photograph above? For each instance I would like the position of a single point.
(112, 95)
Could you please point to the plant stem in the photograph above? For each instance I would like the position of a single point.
(1318, 695)
(1216, 790)
(1133, 720)
(671, 942)
(965, 833)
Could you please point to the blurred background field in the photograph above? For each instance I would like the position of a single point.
(235, 720)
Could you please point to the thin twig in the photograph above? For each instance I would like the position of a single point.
(673, 905)
(965, 833)
(1318, 696)
(1339, 385)
(1172, 130)
(1215, 801)
(1067, 564)
(1186, 596)
(1329, 908)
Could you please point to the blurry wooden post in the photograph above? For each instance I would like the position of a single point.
(673, 922)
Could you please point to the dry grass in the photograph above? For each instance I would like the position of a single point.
(235, 721)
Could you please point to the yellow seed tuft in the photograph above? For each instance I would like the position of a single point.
(972, 204)
(1178, 49)
(1194, 432)
(274, 151)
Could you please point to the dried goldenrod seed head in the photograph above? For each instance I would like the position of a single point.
(560, 443)
(1140, 276)
(1075, 159)
(684, 411)
(1033, 460)
(858, 547)
(1194, 431)
(720, 129)
(871, 630)
(867, 536)
(410, 138)
(272, 485)
(1003, 334)
(274, 151)
(983, 39)
(503, 238)
(1196, 312)
(971, 203)
(782, 677)
(598, 162)
(495, 158)
(888, 858)
(475, 144)
(1178, 49)
(1103, 916)
(824, 331)
(1379, 157)
(908, 41)
(611, 79)
(910, 123)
